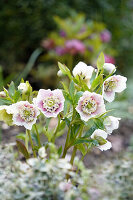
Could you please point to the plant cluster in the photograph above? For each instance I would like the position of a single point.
(40, 179)
(79, 106)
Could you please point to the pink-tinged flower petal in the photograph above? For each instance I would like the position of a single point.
(24, 114)
(109, 96)
(51, 103)
(106, 146)
(111, 123)
(113, 84)
(121, 83)
(90, 105)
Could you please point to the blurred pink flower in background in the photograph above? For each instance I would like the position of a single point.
(109, 59)
(48, 44)
(60, 50)
(105, 36)
(62, 33)
(74, 46)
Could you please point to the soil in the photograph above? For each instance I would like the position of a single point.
(121, 139)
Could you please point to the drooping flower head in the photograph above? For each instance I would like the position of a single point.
(83, 71)
(51, 103)
(90, 105)
(111, 123)
(101, 136)
(109, 68)
(113, 84)
(24, 114)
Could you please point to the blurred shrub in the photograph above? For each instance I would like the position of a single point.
(23, 24)
(40, 179)
(46, 179)
(77, 39)
(116, 178)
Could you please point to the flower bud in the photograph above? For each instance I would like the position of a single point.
(2, 94)
(23, 87)
(109, 68)
(59, 73)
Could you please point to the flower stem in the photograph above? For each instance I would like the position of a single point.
(38, 137)
(67, 139)
(31, 142)
(68, 135)
(73, 155)
(75, 148)
(56, 131)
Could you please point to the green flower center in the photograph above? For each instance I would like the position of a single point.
(27, 113)
(51, 104)
(110, 85)
(89, 105)
(101, 141)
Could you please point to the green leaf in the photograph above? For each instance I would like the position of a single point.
(83, 140)
(77, 96)
(65, 70)
(22, 149)
(17, 95)
(67, 121)
(21, 136)
(99, 123)
(47, 122)
(7, 118)
(62, 126)
(5, 102)
(96, 82)
(72, 89)
(81, 148)
(60, 150)
(100, 61)
(12, 89)
(65, 86)
(90, 131)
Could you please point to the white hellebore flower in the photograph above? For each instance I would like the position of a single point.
(113, 84)
(101, 136)
(23, 87)
(50, 103)
(83, 71)
(90, 105)
(111, 123)
(109, 68)
(24, 114)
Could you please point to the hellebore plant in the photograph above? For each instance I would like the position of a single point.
(79, 108)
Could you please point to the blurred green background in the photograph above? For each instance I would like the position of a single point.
(34, 35)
